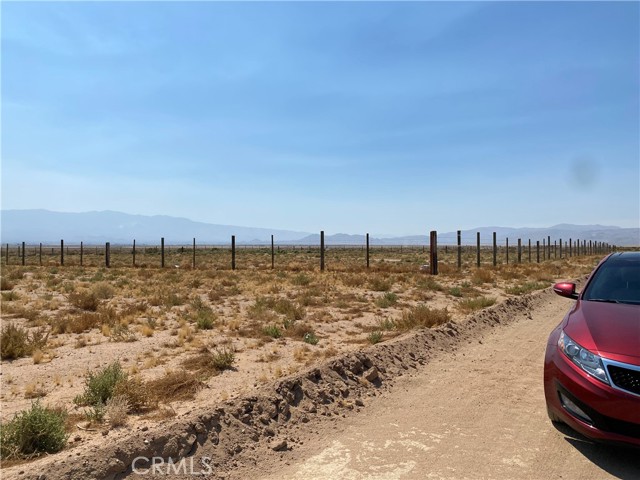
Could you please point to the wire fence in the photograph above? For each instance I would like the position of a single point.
(232, 255)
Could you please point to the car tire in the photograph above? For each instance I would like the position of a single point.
(553, 417)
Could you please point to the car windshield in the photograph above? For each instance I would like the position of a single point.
(616, 281)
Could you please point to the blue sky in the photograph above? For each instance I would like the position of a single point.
(383, 117)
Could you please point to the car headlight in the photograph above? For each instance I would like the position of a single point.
(588, 361)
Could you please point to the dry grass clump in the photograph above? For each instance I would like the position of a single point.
(353, 280)
(208, 363)
(429, 283)
(33, 390)
(422, 316)
(527, 287)
(138, 397)
(472, 304)
(481, 276)
(387, 300)
(298, 330)
(267, 309)
(374, 337)
(301, 280)
(174, 386)
(116, 411)
(202, 315)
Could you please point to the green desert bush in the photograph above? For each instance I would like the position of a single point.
(33, 432)
(100, 385)
(222, 359)
(374, 337)
(387, 300)
(310, 338)
(272, 331)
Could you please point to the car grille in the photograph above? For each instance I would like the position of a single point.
(625, 378)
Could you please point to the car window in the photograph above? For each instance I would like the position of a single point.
(615, 281)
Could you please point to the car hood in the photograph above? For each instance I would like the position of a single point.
(606, 328)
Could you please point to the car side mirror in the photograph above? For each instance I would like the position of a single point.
(566, 289)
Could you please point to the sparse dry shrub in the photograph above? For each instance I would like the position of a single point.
(37, 356)
(290, 310)
(429, 283)
(137, 394)
(261, 311)
(33, 390)
(84, 300)
(482, 275)
(20, 311)
(223, 359)
(422, 316)
(543, 276)
(380, 284)
(146, 330)
(374, 337)
(17, 342)
(82, 322)
(121, 333)
(10, 296)
(6, 284)
(472, 304)
(301, 280)
(353, 280)
(115, 412)
(133, 308)
(300, 353)
(385, 324)
(298, 330)
(308, 299)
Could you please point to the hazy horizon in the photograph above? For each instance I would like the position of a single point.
(96, 227)
(343, 116)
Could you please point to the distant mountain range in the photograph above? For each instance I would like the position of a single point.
(34, 226)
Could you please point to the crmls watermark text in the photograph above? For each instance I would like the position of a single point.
(160, 466)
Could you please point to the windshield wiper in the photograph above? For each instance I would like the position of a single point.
(604, 300)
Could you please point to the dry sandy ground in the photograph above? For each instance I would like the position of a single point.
(461, 401)
(478, 413)
(60, 376)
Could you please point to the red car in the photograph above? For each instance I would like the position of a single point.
(592, 362)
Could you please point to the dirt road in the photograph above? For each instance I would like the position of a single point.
(477, 413)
